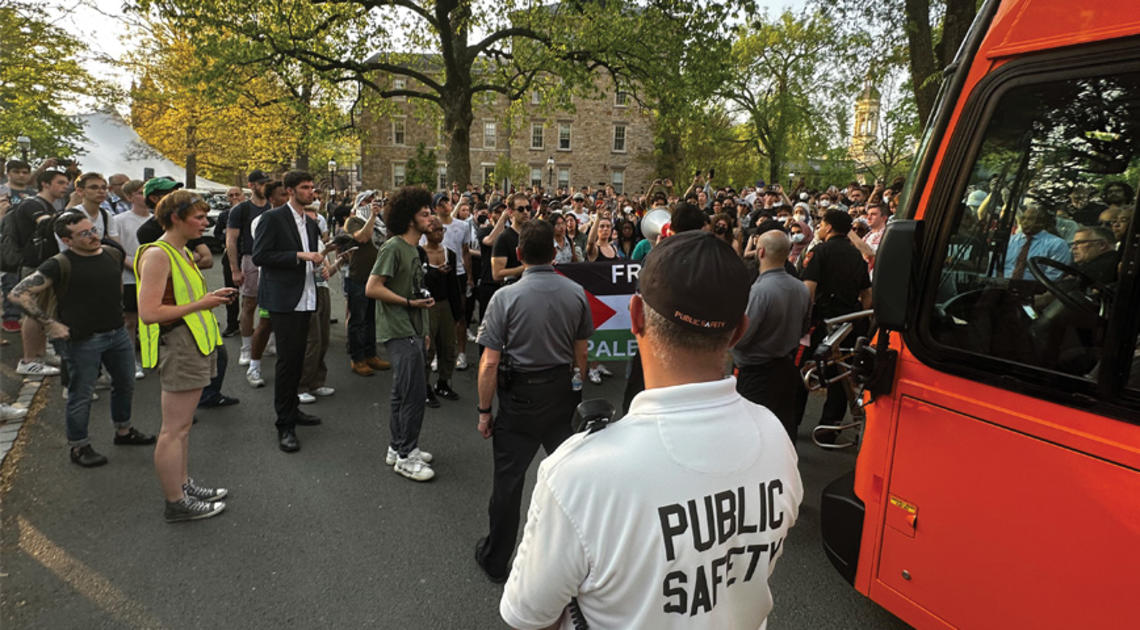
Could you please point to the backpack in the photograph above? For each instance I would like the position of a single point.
(11, 254)
(43, 245)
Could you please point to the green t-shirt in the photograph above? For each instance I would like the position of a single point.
(400, 263)
(641, 250)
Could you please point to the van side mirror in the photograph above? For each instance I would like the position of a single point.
(895, 273)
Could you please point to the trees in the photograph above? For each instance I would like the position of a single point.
(41, 75)
(421, 169)
(449, 52)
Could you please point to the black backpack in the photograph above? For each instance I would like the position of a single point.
(43, 244)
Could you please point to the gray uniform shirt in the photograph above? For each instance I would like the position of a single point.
(778, 312)
(536, 320)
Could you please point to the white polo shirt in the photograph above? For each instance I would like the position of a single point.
(671, 518)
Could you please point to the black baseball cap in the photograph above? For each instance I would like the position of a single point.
(697, 280)
(257, 176)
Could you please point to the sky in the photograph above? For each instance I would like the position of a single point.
(101, 24)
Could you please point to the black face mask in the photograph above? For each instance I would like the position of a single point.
(721, 229)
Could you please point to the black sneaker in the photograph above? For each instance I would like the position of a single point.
(188, 509)
(443, 390)
(134, 437)
(86, 457)
(432, 401)
(230, 331)
(194, 491)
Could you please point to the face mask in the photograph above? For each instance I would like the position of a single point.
(801, 217)
(777, 204)
(720, 229)
(798, 238)
(824, 203)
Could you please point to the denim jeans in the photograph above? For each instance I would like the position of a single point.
(361, 321)
(212, 392)
(112, 349)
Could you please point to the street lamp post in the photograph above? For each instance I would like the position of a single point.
(25, 143)
(332, 176)
(550, 172)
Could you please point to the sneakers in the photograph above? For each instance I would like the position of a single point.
(362, 368)
(194, 491)
(413, 468)
(435, 364)
(231, 331)
(188, 509)
(8, 412)
(103, 382)
(35, 368)
(253, 377)
(471, 336)
(51, 357)
(461, 362)
(443, 390)
(139, 373)
(11, 325)
(595, 376)
(86, 457)
(392, 456)
(245, 357)
(134, 437)
(323, 392)
(604, 371)
(432, 401)
(305, 398)
(376, 363)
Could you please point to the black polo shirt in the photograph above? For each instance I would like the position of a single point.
(840, 274)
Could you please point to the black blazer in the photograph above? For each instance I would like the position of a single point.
(275, 247)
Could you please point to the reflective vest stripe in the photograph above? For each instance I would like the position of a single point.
(189, 285)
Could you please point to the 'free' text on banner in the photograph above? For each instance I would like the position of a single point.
(608, 285)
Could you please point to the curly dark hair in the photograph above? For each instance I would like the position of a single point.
(402, 207)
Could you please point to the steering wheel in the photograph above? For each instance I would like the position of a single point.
(1085, 303)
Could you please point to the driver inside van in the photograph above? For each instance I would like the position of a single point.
(1037, 237)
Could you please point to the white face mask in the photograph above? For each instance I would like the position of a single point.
(798, 238)
(801, 217)
(824, 203)
(777, 204)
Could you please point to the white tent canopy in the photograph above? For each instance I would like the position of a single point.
(113, 147)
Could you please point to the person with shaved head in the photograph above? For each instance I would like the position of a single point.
(778, 309)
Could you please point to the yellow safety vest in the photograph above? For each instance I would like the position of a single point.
(189, 286)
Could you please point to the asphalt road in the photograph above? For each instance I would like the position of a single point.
(326, 538)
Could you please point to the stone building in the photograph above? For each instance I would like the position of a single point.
(607, 140)
(866, 129)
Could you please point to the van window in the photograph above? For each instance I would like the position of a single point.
(1029, 274)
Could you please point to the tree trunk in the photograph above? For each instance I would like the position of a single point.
(923, 65)
(191, 156)
(959, 16)
(457, 118)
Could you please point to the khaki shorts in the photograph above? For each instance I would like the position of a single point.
(252, 273)
(180, 366)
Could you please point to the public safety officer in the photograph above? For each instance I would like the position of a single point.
(674, 516)
(535, 330)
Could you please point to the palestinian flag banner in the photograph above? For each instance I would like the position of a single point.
(608, 285)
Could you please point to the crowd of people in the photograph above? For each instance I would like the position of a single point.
(109, 270)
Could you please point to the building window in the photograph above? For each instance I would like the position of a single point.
(398, 174)
(621, 99)
(535, 176)
(564, 136)
(619, 138)
(536, 141)
(617, 178)
(535, 97)
(400, 84)
(441, 168)
(564, 177)
(398, 132)
(488, 135)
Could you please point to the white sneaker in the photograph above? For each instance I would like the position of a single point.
(324, 391)
(103, 382)
(471, 336)
(9, 412)
(94, 396)
(604, 371)
(413, 468)
(51, 357)
(253, 377)
(595, 377)
(245, 357)
(305, 398)
(271, 350)
(35, 368)
(139, 373)
(435, 364)
(392, 456)
(461, 362)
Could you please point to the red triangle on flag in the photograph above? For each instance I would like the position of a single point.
(599, 310)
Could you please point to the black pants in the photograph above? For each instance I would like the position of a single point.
(537, 410)
(233, 307)
(777, 386)
(292, 330)
(836, 405)
(212, 392)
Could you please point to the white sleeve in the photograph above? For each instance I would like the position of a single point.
(113, 227)
(549, 566)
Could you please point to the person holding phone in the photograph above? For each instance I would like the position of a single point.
(175, 315)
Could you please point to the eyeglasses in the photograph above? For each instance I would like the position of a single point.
(1086, 241)
(525, 208)
(88, 233)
